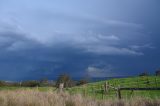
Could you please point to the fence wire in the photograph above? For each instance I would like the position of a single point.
(97, 90)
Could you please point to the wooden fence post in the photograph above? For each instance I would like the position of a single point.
(138, 83)
(37, 87)
(102, 91)
(84, 92)
(61, 86)
(93, 92)
(156, 82)
(20, 83)
(147, 82)
(119, 92)
(106, 87)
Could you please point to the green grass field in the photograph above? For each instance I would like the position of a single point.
(95, 89)
(43, 89)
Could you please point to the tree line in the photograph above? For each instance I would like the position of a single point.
(63, 78)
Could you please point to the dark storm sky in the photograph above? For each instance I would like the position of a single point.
(99, 38)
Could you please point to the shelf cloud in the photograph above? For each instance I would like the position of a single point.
(68, 36)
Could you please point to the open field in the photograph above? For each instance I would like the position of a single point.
(49, 98)
(90, 94)
(27, 88)
(95, 89)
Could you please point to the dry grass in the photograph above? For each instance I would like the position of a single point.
(37, 98)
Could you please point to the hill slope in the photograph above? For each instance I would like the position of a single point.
(96, 89)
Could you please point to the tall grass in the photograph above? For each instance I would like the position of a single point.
(50, 98)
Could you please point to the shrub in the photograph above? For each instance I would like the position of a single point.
(30, 83)
(82, 82)
(2, 83)
(158, 72)
(143, 74)
(66, 79)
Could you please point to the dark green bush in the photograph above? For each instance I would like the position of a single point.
(30, 83)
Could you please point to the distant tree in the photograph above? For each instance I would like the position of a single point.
(7, 83)
(2, 83)
(158, 72)
(82, 82)
(44, 82)
(143, 74)
(66, 79)
(32, 83)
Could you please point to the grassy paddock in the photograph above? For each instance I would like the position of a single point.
(27, 88)
(95, 89)
(32, 97)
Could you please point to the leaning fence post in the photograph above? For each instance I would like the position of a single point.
(61, 86)
(102, 90)
(119, 92)
(20, 83)
(37, 87)
(156, 82)
(84, 92)
(138, 83)
(93, 92)
(106, 86)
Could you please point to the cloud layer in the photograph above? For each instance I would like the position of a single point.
(47, 38)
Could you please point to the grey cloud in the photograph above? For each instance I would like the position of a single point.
(106, 71)
(70, 26)
(139, 47)
(39, 35)
(110, 37)
(89, 42)
(111, 50)
(124, 24)
(12, 41)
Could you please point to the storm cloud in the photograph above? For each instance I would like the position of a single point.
(107, 38)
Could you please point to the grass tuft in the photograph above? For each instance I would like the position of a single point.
(37, 98)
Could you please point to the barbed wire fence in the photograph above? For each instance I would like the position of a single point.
(120, 88)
